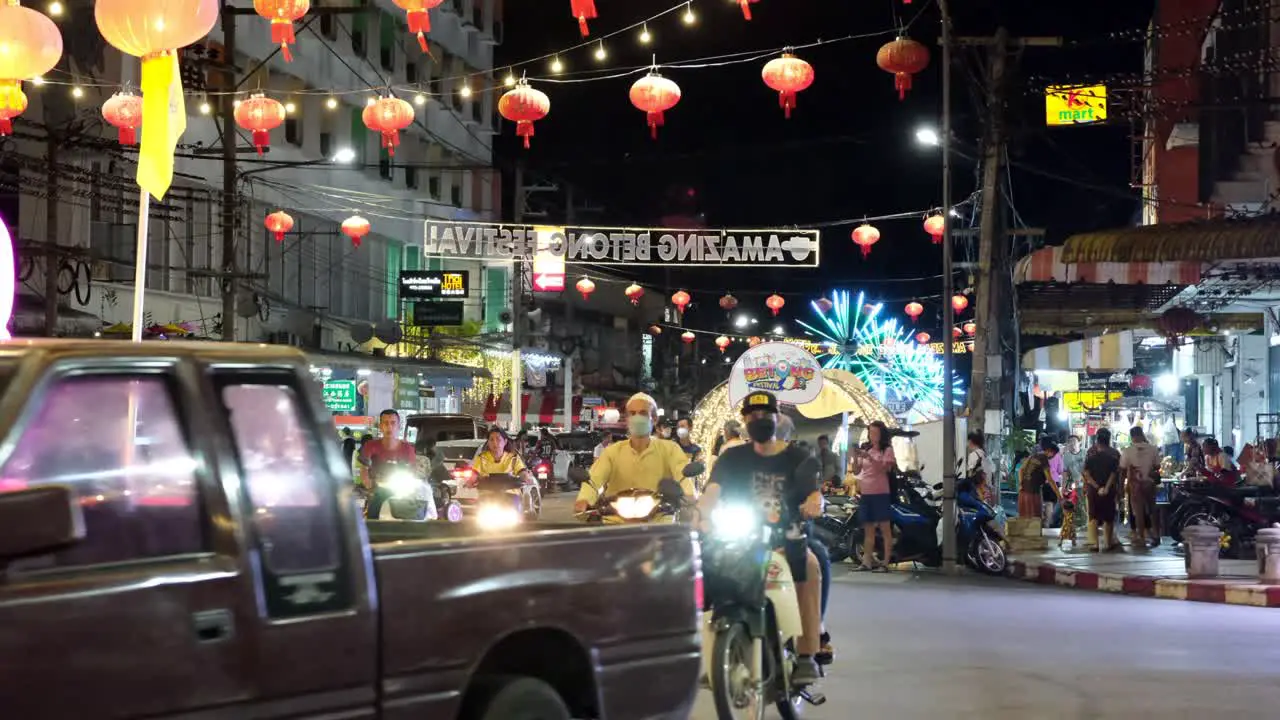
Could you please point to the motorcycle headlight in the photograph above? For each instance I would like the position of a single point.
(734, 522)
(497, 517)
(401, 484)
(636, 507)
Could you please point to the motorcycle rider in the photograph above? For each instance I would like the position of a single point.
(377, 456)
(500, 458)
(782, 479)
(640, 463)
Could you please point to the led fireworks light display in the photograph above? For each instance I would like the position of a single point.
(882, 354)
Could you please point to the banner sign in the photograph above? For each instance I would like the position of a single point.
(341, 396)
(424, 314)
(430, 284)
(776, 248)
(1075, 104)
(548, 266)
(789, 372)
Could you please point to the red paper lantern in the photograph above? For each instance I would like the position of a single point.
(523, 105)
(970, 328)
(681, 300)
(387, 116)
(260, 115)
(922, 337)
(959, 303)
(824, 305)
(1178, 321)
(586, 287)
(687, 337)
(775, 303)
(282, 14)
(13, 102)
(279, 222)
(722, 342)
(753, 341)
(914, 310)
(788, 75)
(654, 95)
(418, 18)
(935, 225)
(634, 292)
(124, 112)
(728, 302)
(355, 227)
(746, 7)
(143, 28)
(1140, 383)
(955, 333)
(903, 57)
(864, 236)
(583, 10)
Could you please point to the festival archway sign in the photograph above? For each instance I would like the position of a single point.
(550, 249)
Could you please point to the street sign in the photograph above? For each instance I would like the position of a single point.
(1075, 104)
(548, 267)
(548, 282)
(442, 312)
(341, 396)
(431, 284)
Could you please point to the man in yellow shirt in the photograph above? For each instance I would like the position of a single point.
(641, 462)
(499, 458)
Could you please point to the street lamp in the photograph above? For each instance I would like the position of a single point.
(741, 321)
(344, 156)
(928, 136)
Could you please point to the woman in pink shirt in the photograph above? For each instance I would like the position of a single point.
(873, 463)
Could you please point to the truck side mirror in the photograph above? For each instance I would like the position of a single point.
(39, 520)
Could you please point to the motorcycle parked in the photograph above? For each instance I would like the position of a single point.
(1239, 512)
(750, 633)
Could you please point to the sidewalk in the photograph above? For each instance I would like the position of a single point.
(1159, 573)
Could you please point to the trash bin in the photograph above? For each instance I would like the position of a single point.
(1203, 543)
(1268, 544)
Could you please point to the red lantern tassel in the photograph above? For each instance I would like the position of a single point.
(419, 21)
(279, 236)
(524, 129)
(128, 136)
(902, 81)
(656, 120)
(6, 127)
(787, 100)
(356, 242)
(584, 10)
(261, 139)
(390, 141)
(866, 251)
(746, 13)
(282, 33)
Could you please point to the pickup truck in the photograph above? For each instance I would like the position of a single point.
(178, 538)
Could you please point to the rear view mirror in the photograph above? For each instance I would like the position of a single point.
(39, 520)
(578, 475)
(670, 489)
(694, 469)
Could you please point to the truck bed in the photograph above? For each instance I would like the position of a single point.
(585, 589)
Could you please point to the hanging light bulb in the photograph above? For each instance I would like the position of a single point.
(645, 37)
(689, 18)
(509, 80)
(556, 65)
(205, 108)
(600, 53)
(331, 103)
(235, 104)
(55, 8)
(370, 100)
(290, 108)
(77, 92)
(465, 91)
(420, 99)
(37, 80)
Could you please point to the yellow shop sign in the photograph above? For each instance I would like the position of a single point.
(1075, 104)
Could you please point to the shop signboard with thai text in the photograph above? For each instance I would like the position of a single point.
(1087, 401)
(788, 371)
(746, 248)
(432, 284)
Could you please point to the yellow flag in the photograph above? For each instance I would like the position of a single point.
(164, 119)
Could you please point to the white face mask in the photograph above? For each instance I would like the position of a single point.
(682, 433)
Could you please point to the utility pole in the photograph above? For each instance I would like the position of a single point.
(517, 312)
(948, 356)
(229, 200)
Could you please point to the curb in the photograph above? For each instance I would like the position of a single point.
(1140, 586)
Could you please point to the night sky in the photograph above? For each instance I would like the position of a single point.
(847, 152)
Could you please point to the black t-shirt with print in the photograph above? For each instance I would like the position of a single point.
(777, 484)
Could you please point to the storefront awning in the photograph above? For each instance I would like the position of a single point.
(1204, 241)
(1046, 265)
(1106, 353)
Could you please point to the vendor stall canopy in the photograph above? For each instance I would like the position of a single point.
(841, 392)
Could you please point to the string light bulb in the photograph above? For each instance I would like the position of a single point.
(290, 108)
(37, 80)
(77, 92)
(235, 104)
(556, 65)
(689, 18)
(420, 99)
(205, 108)
(645, 37)
(370, 101)
(465, 91)
(509, 80)
(55, 8)
(331, 103)
(600, 53)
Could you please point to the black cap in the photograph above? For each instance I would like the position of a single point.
(760, 400)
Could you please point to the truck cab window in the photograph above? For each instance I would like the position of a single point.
(290, 492)
(136, 482)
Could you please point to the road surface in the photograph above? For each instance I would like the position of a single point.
(929, 647)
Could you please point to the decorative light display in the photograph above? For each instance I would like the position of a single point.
(387, 116)
(970, 328)
(634, 292)
(722, 342)
(681, 300)
(923, 338)
(774, 303)
(914, 310)
(903, 57)
(586, 287)
(355, 227)
(583, 10)
(654, 95)
(260, 115)
(279, 223)
(124, 112)
(936, 226)
(823, 304)
(754, 341)
(282, 14)
(687, 337)
(728, 302)
(418, 18)
(880, 353)
(788, 75)
(959, 303)
(864, 236)
(956, 334)
(524, 105)
(30, 46)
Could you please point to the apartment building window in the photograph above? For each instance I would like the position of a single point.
(327, 27)
(359, 135)
(477, 111)
(433, 186)
(455, 194)
(387, 42)
(326, 144)
(358, 28)
(411, 178)
(95, 200)
(293, 131)
(384, 164)
(411, 71)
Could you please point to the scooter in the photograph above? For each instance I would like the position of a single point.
(505, 500)
(750, 633)
(635, 505)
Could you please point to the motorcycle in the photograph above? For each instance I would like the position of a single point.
(542, 473)
(636, 505)
(503, 500)
(750, 634)
(1239, 512)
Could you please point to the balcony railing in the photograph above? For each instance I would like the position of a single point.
(1233, 110)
